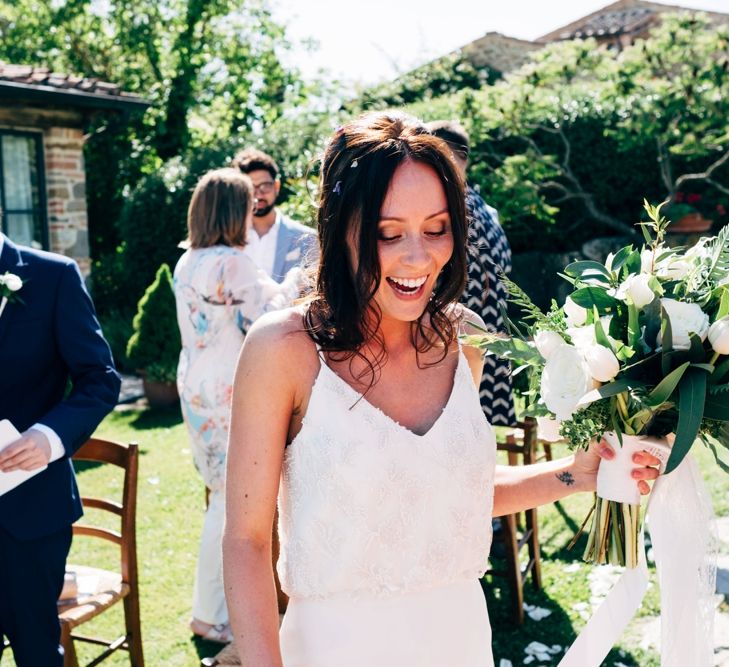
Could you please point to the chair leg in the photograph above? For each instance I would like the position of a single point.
(547, 446)
(69, 650)
(133, 628)
(513, 568)
(534, 551)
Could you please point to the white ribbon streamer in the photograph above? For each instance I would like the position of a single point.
(683, 534)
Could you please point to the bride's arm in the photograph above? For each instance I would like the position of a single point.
(263, 400)
(517, 488)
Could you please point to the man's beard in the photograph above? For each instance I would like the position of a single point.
(262, 212)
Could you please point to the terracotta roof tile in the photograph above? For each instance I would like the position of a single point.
(42, 76)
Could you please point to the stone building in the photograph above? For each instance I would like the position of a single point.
(621, 23)
(615, 26)
(43, 119)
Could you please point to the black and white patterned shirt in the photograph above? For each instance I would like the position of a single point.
(488, 250)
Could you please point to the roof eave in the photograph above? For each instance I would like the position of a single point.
(69, 97)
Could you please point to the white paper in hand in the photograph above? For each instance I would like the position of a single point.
(9, 480)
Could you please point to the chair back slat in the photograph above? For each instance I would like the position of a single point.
(93, 531)
(103, 504)
(103, 451)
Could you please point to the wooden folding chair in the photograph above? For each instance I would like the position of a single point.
(521, 442)
(108, 587)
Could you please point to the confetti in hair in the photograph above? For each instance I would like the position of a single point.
(354, 164)
(338, 188)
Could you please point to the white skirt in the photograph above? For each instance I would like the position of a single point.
(447, 626)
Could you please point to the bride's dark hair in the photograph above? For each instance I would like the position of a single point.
(356, 171)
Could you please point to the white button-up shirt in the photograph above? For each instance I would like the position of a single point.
(262, 249)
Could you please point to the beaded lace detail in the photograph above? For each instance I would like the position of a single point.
(367, 506)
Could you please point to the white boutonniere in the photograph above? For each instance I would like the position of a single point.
(10, 285)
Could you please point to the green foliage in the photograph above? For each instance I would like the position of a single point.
(212, 70)
(567, 147)
(447, 75)
(155, 344)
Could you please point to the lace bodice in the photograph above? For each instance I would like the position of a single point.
(367, 506)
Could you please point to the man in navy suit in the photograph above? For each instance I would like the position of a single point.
(57, 382)
(276, 243)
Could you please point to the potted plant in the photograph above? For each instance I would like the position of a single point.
(693, 212)
(154, 347)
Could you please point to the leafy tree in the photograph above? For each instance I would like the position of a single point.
(210, 68)
(568, 146)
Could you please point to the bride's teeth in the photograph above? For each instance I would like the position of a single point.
(409, 282)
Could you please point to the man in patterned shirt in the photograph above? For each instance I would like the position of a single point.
(488, 254)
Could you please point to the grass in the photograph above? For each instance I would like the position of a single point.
(170, 512)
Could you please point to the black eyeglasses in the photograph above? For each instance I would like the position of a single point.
(264, 188)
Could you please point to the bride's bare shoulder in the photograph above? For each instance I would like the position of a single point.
(280, 336)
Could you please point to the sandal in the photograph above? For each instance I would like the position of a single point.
(221, 633)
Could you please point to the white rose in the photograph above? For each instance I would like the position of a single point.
(719, 335)
(685, 318)
(547, 342)
(636, 289)
(677, 269)
(582, 337)
(548, 429)
(648, 258)
(576, 315)
(603, 364)
(565, 380)
(11, 281)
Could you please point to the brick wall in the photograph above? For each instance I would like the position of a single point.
(66, 190)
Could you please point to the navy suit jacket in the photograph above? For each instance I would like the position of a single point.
(55, 369)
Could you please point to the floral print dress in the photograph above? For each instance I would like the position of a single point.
(220, 292)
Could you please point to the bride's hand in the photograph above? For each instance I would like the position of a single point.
(587, 463)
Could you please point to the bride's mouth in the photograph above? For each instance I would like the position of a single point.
(409, 288)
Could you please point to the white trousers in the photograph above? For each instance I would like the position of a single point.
(208, 597)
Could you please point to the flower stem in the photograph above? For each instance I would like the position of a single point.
(714, 358)
(622, 407)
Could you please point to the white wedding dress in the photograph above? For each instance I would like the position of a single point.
(385, 533)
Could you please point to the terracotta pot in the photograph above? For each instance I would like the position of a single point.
(691, 223)
(160, 394)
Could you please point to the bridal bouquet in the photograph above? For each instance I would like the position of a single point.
(637, 355)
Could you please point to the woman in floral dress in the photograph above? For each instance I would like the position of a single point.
(220, 292)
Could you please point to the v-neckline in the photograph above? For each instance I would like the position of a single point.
(392, 420)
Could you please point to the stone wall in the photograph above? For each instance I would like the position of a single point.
(65, 177)
(66, 191)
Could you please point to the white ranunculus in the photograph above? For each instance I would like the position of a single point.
(576, 315)
(565, 380)
(548, 429)
(547, 342)
(685, 318)
(603, 364)
(11, 281)
(719, 335)
(635, 289)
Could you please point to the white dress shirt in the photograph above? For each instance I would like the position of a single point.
(262, 249)
(57, 450)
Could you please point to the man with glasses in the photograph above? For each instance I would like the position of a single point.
(276, 243)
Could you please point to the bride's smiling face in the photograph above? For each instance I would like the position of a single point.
(415, 241)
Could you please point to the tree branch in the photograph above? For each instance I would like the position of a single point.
(706, 175)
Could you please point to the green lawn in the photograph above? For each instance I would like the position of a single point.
(170, 509)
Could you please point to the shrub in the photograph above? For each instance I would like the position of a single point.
(155, 344)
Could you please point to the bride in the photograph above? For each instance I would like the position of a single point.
(359, 412)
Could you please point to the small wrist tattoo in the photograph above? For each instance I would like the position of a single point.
(566, 478)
